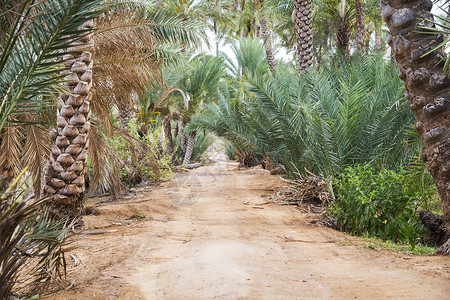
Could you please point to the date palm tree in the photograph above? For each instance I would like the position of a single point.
(427, 87)
(31, 75)
(31, 38)
(266, 36)
(131, 50)
(302, 18)
(360, 23)
(66, 173)
(200, 86)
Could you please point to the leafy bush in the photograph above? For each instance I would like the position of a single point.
(202, 142)
(141, 155)
(379, 204)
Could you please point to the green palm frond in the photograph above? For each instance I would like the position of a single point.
(29, 70)
(323, 122)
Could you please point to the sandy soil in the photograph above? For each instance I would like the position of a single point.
(207, 235)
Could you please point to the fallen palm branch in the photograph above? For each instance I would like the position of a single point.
(311, 194)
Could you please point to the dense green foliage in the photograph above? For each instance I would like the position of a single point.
(380, 204)
(331, 118)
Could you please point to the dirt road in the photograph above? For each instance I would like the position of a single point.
(208, 235)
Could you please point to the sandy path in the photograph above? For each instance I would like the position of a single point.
(205, 237)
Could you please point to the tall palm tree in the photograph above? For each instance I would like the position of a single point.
(32, 36)
(30, 75)
(427, 87)
(302, 17)
(267, 36)
(374, 17)
(65, 180)
(127, 60)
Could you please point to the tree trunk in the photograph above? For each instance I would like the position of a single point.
(360, 25)
(65, 175)
(267, 39)
(183, 137)
(168, 134)
(126, 109)
(343, 37)
(427, 88)
(189, 149)
(302, 18)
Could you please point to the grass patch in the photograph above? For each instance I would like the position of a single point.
(403, 247)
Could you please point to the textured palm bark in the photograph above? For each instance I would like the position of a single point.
(168, 134)
(183, 138)
(189, 148)
(267, 39)
(343, 37)
(126, 110)
(302, 18)
(360, 25)
(65, 175)
(427, 88)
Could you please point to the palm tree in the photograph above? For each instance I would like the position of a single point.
(302, 17)
(200, 86)
(30, 76)
(267, 36)
(426, 87)
(65, 180)
(133, 47)
(323, 122)
(32, 36)
(129, 56)
(360, 23)
(374, 16)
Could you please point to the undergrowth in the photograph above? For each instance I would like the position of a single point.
(379, 204)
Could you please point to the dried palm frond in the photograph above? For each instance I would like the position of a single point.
(10, 150)
(105, 163)
(36, 152)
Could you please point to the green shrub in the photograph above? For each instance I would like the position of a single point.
(230, 151)
(141, 155)
(378, 204)
(202, 142)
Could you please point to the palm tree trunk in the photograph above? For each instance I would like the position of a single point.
(65, 175)
(343, 37)
(126, 109)
(267, 36)
(183, 137)
(302, 18)
(360, 25)
(189, 149)
(427, 88)
(168, 134)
